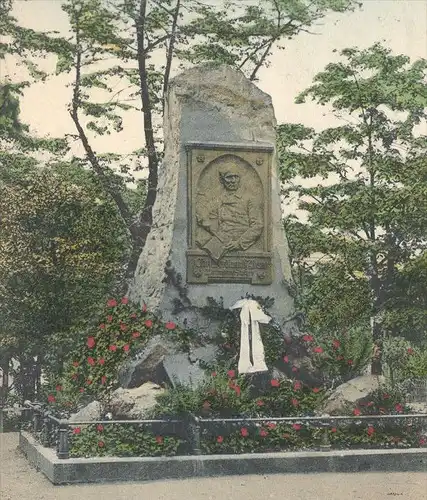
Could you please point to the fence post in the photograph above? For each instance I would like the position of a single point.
(45, 433)
(36, 421)
(194, 427)
(63, 445)
(325, 444)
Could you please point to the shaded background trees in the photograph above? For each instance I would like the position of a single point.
(367, 215)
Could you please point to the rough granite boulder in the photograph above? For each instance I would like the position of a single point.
(133, 404)
(214, 105)
(148, 366)
(351, 392)
(161, 362)
(91, 412)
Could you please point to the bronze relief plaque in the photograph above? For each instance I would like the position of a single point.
(229, 213)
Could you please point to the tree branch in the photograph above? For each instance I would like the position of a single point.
(91, 156)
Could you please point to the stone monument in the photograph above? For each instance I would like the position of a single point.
(217, 222)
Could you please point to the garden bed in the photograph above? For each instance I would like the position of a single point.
(112, 469)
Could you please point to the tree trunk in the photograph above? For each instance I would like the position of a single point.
(4, 389)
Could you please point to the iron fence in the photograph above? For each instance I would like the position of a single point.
(53, 432)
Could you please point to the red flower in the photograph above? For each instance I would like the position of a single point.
(244, 432)
(371, 430)
(260, 403)
(319, 350)
(219, 439)
(296, 427)
(274, 382)
(308, 338)
(125, 300)
(111, 303)
(410, 350)
(159, 439)
(263, 433)
(399, 408)
(51, 398)
(126, 347)
(91, 361)
(297, 385)
(123, 327)
(90, 342)
(77, 430)
(214, 374)
(133, 315)
(350, 362)
(356, 412)
(336, 344)
(101, 361)
(286, 359)
(81, 389)
(99, 427)
(103, 379)
(294, 369)
(112, 348)
(334, 429)
(231, 373)
(237, 390)
(88, 381)
(148, 323)
(102, 326)
(101, 444)
(423, 441)
(271, 425)
(170, 325)
(75, 363)
(59, 388)
(109, 319)
(135, 335)
(144, 308)
(316, 390)
(294, 402)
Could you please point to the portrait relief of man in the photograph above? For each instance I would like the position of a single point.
(228, 219)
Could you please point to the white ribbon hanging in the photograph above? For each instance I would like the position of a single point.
(251, 313)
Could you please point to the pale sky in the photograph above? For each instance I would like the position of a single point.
(400, 24)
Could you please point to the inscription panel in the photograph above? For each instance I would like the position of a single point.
(229, 214)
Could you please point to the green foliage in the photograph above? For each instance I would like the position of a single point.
(92, 365)
(340, 355)
(225, 395)
(366, 204)
(120, 441)
(60, 253)
(415, 367)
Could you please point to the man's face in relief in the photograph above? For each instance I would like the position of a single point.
(230, 180)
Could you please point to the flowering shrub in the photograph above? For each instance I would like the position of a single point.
(94, 363)
(227, 395)
(340, 356)
(99, 440)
